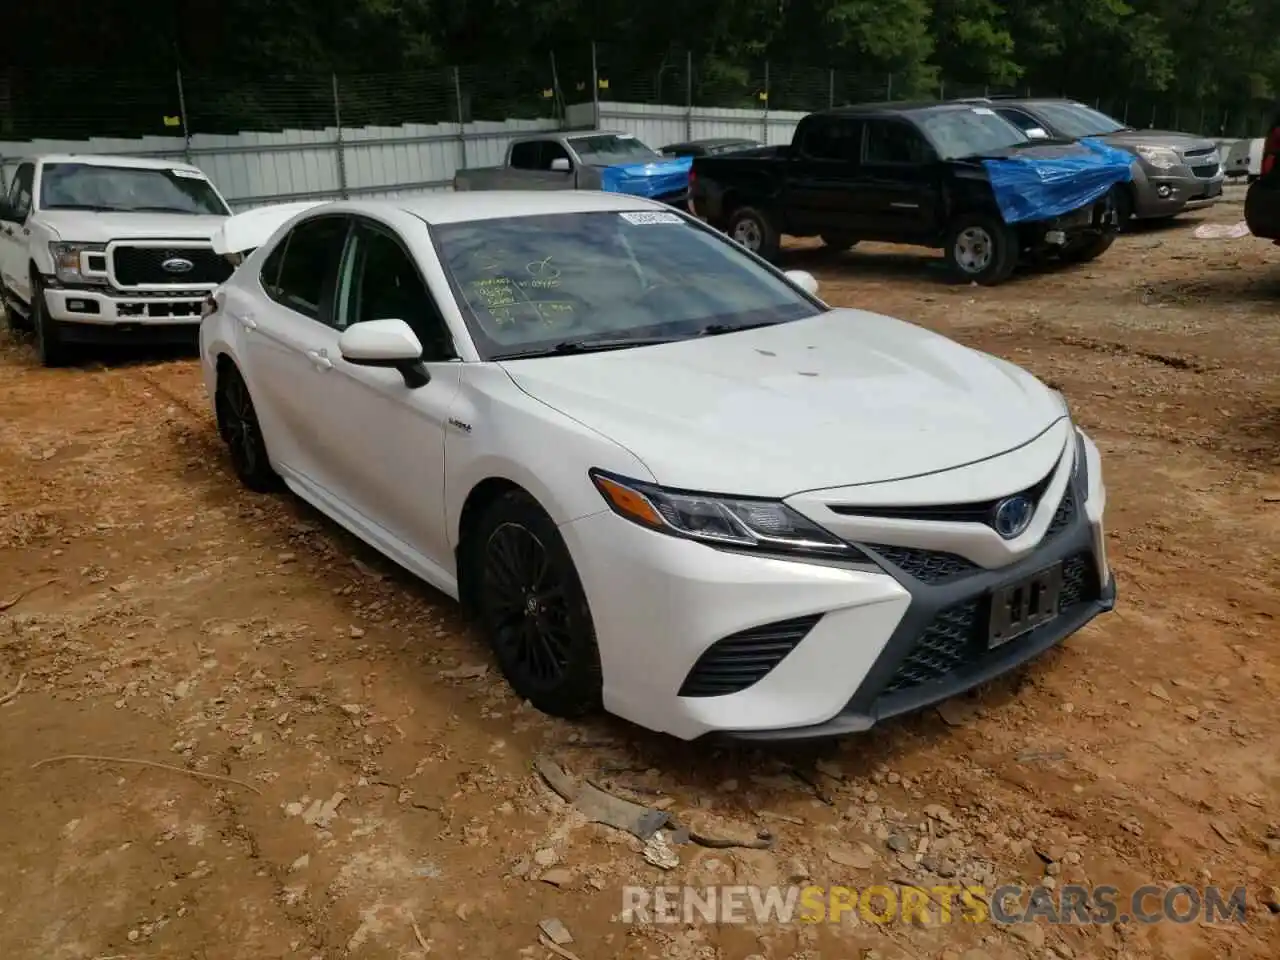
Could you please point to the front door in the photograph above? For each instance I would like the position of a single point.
(384, 458)
(897, 193)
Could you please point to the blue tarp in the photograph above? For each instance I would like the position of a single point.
(653, 179)
(1040, 188)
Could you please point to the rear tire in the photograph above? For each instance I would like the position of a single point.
(755, 230)
(239, 427)
(50, 347)
(533, 609)
(839, 241)
(981, 248)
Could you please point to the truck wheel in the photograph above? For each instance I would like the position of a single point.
(754, 230)
(1088, 247)
(839, 241)
(981, 248)
(50, 348)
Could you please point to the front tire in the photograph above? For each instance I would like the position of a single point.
(981, 248)
(755, 230)
(1088, 247)
(239, 427)
(50, 347)
(533, 609)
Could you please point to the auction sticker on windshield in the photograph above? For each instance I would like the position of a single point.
(984, 111)
(641, 218)
(188, 174)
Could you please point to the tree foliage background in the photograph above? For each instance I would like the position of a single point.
(263, 62)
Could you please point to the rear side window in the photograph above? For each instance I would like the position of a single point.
(831, 138)
(307, 271)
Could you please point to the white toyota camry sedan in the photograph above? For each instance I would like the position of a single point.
(665, 477)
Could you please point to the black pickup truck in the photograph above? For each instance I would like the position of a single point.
(896, 173)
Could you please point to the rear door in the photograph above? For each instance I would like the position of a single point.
(290, 344)
(899, 180)
(822, 175)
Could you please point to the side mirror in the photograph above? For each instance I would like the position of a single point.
(1037, 133)
(385, 343)
(560, 165)
(805, 280)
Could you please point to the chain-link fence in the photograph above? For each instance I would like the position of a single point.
(66, 105)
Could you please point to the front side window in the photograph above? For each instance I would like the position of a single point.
(380, 282)
(526, 284)
(308, 267)
(89, 186)
(606, 149)
(19, 197)
(894, 142)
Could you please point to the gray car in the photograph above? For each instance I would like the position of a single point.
(1174, 172)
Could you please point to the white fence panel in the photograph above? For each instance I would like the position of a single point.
(253, 168)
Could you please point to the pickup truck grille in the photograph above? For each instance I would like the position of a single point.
(144, 266)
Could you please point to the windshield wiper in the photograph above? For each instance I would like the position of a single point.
(587, 346)
(95, 207)
(191, 213)
(715, 329)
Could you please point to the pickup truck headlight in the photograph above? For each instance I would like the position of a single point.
(79, 262)
(768, 526)
(1162, 158)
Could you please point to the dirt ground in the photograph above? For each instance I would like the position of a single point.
(384, 803)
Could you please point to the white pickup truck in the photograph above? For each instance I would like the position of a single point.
(96, 248)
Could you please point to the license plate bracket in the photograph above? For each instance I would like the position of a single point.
(1018, 608)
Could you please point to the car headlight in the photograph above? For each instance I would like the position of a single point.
(1162, 158)
(738, 522)
(79, 262)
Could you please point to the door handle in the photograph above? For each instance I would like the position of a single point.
(320, 359)
(247, 321)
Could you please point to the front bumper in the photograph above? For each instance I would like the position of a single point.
(107, 308)
(832, 648)
(1166, 193)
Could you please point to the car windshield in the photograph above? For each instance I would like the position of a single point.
(610, 148)
(1075, 120)
(956, 134)
(89, 186)
(527, 284)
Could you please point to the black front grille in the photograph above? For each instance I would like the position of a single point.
(1206, 171)
(947, 644)
(979, 512)
(927, 566)
(954, 639)
(135, 266)
(1063, 516)
(741, 659)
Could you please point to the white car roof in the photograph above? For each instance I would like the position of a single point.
(112, 160)
(491, 204)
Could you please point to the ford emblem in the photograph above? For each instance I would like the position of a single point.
(1013, 516)
(177, 265)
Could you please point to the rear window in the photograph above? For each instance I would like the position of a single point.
(528, 282)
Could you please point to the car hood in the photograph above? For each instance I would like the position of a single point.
(1159, 138)
(85, 226)
(848, 397)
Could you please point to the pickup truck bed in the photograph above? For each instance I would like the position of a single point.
(897, 173)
